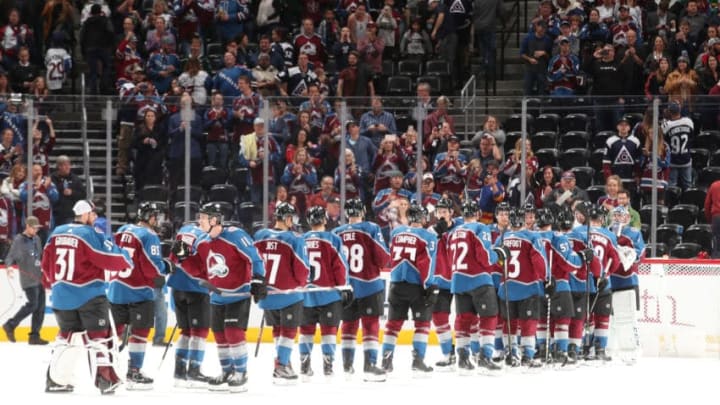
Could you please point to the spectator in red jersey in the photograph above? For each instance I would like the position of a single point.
(371, 48)
(389, 159)
(300, 177)
(42, 147)
(45, 194)
(613, 184)
(310, 43)
(326, 193)
(712, 214)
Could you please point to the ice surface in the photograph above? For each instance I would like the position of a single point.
(651, 381)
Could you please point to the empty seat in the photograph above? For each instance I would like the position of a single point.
(228, 209)
(179, 211)
(707, 140)
(154, 192)
(661, 249)
(249, 213)
(714, 159)
(410, 68)
(700, 234)
(599, 139)
(544, 140)
(669, 234)
(214, 48)
(223, 192)
(685, 250)
(700, 158)
(596, 162)
(646, 214)
(437, 68)
(510, 138)
(195, 194)
(573, 158)
(708, 176)
(547, 157)
(583, 176)
(633, 118)
(693, 196)
(573, 139)
(683, 214)
(399, 86)
(574, 122)
(211, 176)
(388, 68)
(595, 192)
(514, 123)
(239, 178)
(672, 196)
(547, 122)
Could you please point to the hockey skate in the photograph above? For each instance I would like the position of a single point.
(348, 368)
(465, 366)
(180, 374)
(53, 387)
(219, 383)
(512, 359)
(486, 366)
(560, 359)
(531, 364)
(137, 381)
(602, 356)
(284, 375)
(106, 380)
(572, 356)
(328, 366)
(237, 382)
(419, 368)
(195, 378)
(306, 371)
(387, 362)
(371, 372)
(447, 364)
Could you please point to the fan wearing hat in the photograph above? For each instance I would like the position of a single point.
(515, 186)
(491, 193)
(683, 81)
(622, 153)
(567, 194)
(164, 65)
(371, 48)
(390, 158)
(563, 69)
(450, 168)
(429, 196)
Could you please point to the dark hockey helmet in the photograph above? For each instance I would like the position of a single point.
(544, 217)
(598, 213)
(565, 220)
(213, 210)
(584, 208)
(502, 207)
(444, 203)
(416, 213)
(517, 217)
(354, 207)
(316, 215)
(147, 210)
(469, 208)
(284, 210)
(529, 208)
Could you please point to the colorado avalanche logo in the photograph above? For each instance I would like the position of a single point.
(216, 265)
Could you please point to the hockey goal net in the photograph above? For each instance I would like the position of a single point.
(679, 307)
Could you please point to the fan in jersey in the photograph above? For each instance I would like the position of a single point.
(192, 306)
(58, 62)
(328, 269)
(286, 269)
(604, 245)
(412, 287)
(365, 250)
(235, 271)
(132, 291)
(74, 262)
(471, 258)
(678, 131)
(521, 286)
(562, 261)
(631, 248)
(443, 275)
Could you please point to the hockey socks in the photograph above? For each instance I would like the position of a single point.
(443, 330)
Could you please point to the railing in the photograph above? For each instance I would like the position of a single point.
(509, 28)
(467, 101)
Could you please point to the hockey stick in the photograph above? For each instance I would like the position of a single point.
(259, 338)
(507, 297)
(587, 284)
(167, 345)
(607, 267)
(125, 338)
(549, 306)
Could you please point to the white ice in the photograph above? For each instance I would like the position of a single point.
(650, 381)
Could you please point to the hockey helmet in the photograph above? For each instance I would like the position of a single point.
(469, 208)
(529, 208)
(354, 207)
(316, 215)
(284, 210)
(517, 217)
(416, 213)
(544, 217)
(147, 210)
(565, 220)
(213, 210)
(502, 207)
(444, 203)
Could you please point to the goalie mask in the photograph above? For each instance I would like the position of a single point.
(621, 215)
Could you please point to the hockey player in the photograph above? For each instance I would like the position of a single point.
(502, 225)
(286, 269)
(631, 248)
(192, 306)
(562, 261)
(132, 291)
(328, 269)
(73, 263)
(443, 274)
(604, 245)
(235, 271)
(471, 257)
(524, 270)
(530, 216)
(412, 287)
(366, 254)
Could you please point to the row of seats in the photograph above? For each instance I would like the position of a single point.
(684, 215)
(685, 250)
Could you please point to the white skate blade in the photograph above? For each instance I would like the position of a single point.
(421, 374)
(178, 383)
(238, 390)
(218, 388)
(132, 386)
(445, 369)
(284, 382)
(370, 377)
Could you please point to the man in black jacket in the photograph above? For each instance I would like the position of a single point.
(96, 42)
(70, 188)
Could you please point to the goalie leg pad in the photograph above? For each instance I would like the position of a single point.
(65, 357)
(624, 321)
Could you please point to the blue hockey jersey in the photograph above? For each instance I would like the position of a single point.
(136, 284)
(286, 268)
(626, 278)
(562, 259)
(412, 256)
(191, 271)
(603, 244)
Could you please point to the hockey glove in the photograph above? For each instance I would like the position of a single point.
(502, 252)
(440, 227)
(258, 289)
(550, 287)
(346, 292)
(431, 295)
(602, 283)
(586, 255)
(159, 282)
(180, 249)
(169, 266)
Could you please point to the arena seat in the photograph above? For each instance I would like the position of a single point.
(672, 195)
(544, 140)
(700, 158)
(211, 176)
(196, 194)
(683, 214)
(646, 214)
(514, 123)
(573, 139)
(223, 192)
(595, 192)
(708, 176)
(694, 196)
(700, 234)
(573, 158)
(547, 157)
(547, 122)
(154, 192)
(669, 234)
(574, 122)
(685, 251)
(661, 249)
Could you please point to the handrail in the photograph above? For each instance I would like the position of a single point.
(86, 153)
(467, 100)
(506, 33)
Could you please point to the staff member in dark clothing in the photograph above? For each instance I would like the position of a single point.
(535, 51)
(70, 188)
(25, 251)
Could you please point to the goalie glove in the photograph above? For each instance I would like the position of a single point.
(431, 295)
(586, 255)
(258, 289)
(550, 287)
(347, 295)
(602, 283)
(628, 256)
(180, 249)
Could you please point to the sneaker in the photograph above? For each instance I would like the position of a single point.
(327, 365)
(419, 366)
(284, 375)
(305, 369)
(10, 332)
(36, 340)
(219, 383)
(237, 382)
(137, 381)
(53, 387)
(106, 380)
(371, 372)
(447, 364)
(195, 378)
(465, 366)
(387, 362)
